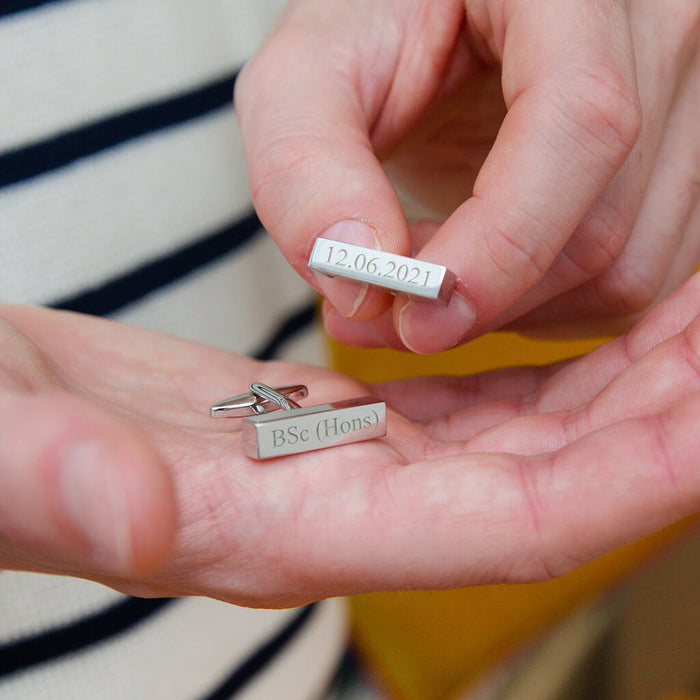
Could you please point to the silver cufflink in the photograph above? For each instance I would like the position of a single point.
(395, 273)
(274, 424)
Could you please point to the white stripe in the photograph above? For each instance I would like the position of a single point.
(106, 214)
(74, 62)
(309, 347)
(32, 603)
(305, 667)
(185, 652)
(255, 286)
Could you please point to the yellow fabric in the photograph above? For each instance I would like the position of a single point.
(430, 645)
(488, 352)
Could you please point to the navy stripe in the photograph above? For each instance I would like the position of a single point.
(135, 284)
(290, 327)
(119, 618)
(63, 149)
(10, 7)
(70, 638)
(262, 656)
(342, 683)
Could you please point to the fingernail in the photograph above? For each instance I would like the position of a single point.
(425, 328)
(347, 296)
(95, 502)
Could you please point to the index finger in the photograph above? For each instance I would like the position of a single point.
(573, 118)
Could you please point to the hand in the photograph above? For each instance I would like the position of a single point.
(111, 469)
(559, 140)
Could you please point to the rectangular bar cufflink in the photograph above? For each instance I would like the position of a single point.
(313, 427)
(396, 273)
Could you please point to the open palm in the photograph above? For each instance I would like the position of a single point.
(512, 476)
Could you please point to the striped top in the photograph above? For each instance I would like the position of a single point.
(123, 193)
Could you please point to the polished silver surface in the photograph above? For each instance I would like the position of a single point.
(250, 404)
(396, 273)
(267, 393)
(313, 427)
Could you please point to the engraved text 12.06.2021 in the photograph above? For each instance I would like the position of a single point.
(398, 274)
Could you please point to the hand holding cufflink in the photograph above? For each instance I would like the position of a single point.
(554, 149)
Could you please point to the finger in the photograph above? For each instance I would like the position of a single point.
(80, 492)
(557, 387)
(312, 169)
(635, 371)
(662, 226)
(573, 118)
(457, 408)
(628, 262)
(490, 518)
(612, 487)
(148, 375)
(308, 105)
(581, 381)
(427, 398)
(668, 373)
(377, 333)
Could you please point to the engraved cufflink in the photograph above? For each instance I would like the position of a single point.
(398, 274)
(297, 429)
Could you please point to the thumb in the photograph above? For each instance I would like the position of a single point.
(80, 491)
(310, 106)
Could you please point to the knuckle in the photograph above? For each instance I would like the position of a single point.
(627, 289)
(538, 564)
(599, 239)
(22, 364)
(545, 558)
(523, 259)
(690, 337)
(575, 424)
(605, 107)
(546, 566)
(258, 72)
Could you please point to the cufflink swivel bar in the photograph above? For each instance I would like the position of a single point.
(252, 403)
